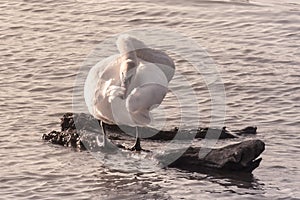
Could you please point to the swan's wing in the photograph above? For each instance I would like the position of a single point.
(155, 56)
(100, 77)
(159, 58)
(143, 99)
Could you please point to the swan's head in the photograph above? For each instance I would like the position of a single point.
(127, 72)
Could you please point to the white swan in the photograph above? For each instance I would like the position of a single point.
(122, 89)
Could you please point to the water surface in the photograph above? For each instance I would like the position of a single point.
(44, 43)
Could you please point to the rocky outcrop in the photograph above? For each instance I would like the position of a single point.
(235, 157)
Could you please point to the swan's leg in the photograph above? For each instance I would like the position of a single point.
(137, 144)
(102, 124)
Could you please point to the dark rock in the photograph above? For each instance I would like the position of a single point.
(249, 130)
(67, 121)
(83, 121)
(69, 138)
(70, 121)
(236, 157)
(219, 133)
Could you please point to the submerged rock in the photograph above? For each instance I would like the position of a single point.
(236, 157)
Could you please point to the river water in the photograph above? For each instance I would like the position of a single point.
(43, 44)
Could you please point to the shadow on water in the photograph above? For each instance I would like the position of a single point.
(224, 178)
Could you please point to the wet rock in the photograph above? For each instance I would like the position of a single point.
(70, 136)
(67, 122)
(241, 157)
(249, 130)
(235, 157)
(218, 133)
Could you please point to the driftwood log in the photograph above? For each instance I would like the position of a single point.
(235, 157)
